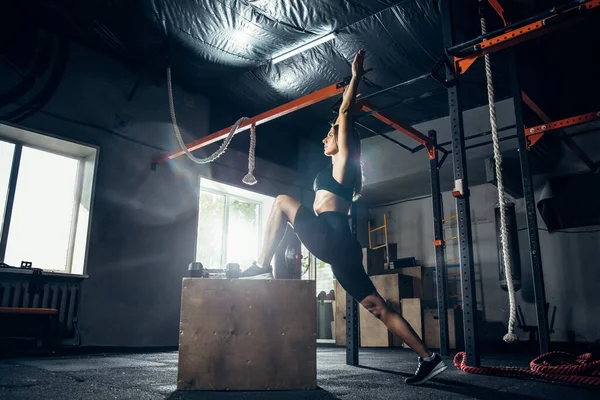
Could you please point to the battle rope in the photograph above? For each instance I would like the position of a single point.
(510, 336)
(249, 178)
(556, 366)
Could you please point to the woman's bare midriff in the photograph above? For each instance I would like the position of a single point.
(327, 201)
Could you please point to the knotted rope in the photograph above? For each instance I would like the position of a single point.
(249, 179)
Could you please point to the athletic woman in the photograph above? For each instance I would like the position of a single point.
(325, 231)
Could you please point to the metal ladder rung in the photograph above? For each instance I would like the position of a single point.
(449, 218)
(384, 227)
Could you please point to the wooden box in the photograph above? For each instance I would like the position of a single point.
(392, 287)
(247, 335)
(432, 328)
(339, 314)
(413, 314)
(373, 333)
(417, 274)
(377, 259)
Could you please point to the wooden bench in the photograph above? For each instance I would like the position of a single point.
(28, 311)
(23, 322)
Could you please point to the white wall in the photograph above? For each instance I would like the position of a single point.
(384, 160)
(570, 263)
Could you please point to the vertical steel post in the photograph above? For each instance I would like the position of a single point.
(461, 193)
(438, 241)
(352, 311)
(532, 227)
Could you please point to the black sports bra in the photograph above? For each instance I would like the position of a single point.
(325, 181)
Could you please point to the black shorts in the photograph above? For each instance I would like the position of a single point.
(328, 237)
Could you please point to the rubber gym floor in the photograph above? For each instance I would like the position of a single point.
(153, 375)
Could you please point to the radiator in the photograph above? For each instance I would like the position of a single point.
(60, 296)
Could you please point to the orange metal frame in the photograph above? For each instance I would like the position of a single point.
(514, 37)
(534, 107)
(407, 130)
(534, 133)
(496, 5)
(533, 138)
(302, 102)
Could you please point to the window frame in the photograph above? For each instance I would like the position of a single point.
(53, 143)
(224, 238)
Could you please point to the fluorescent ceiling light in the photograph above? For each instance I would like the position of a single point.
(240, 37)
(305, 47)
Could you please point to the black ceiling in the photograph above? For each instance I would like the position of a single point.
(222, 48)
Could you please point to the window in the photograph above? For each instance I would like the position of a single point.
(46, 200)
(317, 270)
(230, 230)
(42, 214)
(230, 225)
(242, 231)
(210, 233)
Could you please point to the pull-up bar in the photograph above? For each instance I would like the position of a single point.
(407, 130)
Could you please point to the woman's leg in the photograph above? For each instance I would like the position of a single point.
(395, 323)
(283, 211)
(351, 275)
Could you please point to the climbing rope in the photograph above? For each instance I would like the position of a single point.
(249, 178)
(556, 366)
(510, 335)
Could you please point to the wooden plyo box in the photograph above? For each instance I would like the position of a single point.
(373, 333)
(417, 274)
(339, 314)
(432, 328)
(247, 335)
(413, 314)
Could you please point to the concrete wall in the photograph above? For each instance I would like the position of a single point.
(393, 173)
(144, 222)
(569, 261)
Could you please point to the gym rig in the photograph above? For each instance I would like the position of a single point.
(455, 61)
